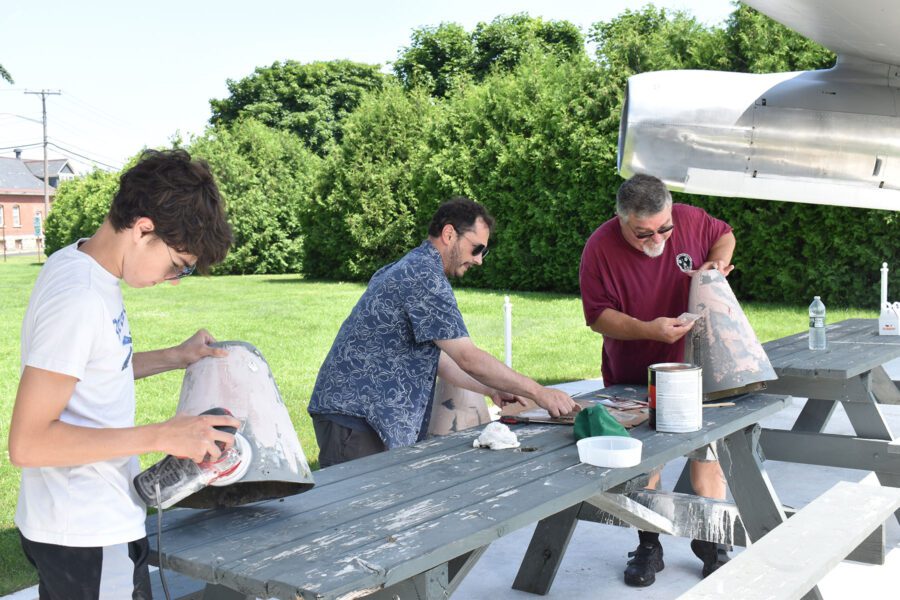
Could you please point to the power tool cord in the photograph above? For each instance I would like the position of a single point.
(159, 512)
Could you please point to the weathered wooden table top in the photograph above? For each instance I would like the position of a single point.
(853, 348)
(379, 520)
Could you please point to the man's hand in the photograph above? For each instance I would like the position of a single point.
(196, 347)
(501, 399)
(195, 437)
(556, 402)
(723, 267)
(664, 329)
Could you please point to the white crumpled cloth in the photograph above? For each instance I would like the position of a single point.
(496, 436)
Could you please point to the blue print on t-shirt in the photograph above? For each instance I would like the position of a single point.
(121, 325)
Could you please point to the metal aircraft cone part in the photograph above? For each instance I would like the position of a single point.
(722, 340)
(455, 408)
(243, 383)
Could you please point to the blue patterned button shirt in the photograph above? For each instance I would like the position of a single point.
(383, 362)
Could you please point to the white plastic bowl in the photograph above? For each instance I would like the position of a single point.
(612, 451)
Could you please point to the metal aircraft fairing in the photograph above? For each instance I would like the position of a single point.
(824, 137)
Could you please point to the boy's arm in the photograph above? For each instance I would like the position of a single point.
(177, 357)
(37, 437)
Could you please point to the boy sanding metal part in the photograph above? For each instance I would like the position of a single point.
(80, 521)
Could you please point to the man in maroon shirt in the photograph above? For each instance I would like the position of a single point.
(635, 278)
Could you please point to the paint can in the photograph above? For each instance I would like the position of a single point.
(675, 393)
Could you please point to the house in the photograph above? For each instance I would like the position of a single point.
(22, 198)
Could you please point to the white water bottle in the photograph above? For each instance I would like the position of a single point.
(817, 324)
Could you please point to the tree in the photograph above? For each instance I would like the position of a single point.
(79, 208)
(443, 58)
(4, 74)
(367, 208)
(654, 39)
(310, 100)
(757, 44)
(503, 43)
(438, 58)
(265, 176)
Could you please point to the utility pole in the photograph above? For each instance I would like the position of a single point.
(44, 94)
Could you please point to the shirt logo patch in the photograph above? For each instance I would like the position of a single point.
(684, 262)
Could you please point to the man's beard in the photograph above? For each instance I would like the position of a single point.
(654, 251)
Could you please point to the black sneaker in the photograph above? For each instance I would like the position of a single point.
(645, 561)
(713, 555)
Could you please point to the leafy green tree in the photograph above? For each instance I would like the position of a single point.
(311, 100)
(367, 206)
(757, 44)
(438, 59)
(79, 208)
(503, 43)
(525, 144)
(266, 177)
(442, 58)
(655, 39)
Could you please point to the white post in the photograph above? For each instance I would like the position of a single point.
(884, 274)
(507, 312)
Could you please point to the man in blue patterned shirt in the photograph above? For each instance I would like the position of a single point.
(374, 390)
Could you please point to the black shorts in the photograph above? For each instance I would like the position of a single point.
(93, 573)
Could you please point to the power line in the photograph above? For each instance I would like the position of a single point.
(57, 141)
(82, 103)
(22, 146)
(88, 158)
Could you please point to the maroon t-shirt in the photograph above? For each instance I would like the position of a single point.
(615, 275)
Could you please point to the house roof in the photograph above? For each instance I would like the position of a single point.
(55, 166)
(15, 176)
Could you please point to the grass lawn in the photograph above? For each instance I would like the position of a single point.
(293, 322)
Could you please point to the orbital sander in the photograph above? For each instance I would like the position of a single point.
(173, 478)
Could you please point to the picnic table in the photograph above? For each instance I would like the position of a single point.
(411, 522)
(850, 372)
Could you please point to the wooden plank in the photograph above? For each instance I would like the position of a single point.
(850, 389)
(181, 587)
(789, 561)
(545, 551)
(760, 509)
(826, 449)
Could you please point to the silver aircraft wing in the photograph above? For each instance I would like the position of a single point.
(823, 137)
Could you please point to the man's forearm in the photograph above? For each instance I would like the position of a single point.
(619, 326)
(449, 371)
(489, 371)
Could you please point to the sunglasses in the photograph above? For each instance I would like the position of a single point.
(477, 249)
(178, 272)
(650, 234)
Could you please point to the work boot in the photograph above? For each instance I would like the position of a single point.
(713, 555)
(645, 561)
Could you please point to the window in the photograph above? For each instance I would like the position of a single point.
(2, 213)
(16, 221)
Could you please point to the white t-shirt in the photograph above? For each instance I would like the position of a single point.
(76, 325)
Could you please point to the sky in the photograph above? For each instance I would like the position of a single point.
(135, 74)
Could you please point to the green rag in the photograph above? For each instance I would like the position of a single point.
(597, 421)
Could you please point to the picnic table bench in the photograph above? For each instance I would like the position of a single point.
(411, 522)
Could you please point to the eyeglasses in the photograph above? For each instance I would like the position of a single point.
(661, 231)
(477, 249)
(179, 272)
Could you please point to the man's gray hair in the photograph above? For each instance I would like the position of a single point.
(642, 196)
